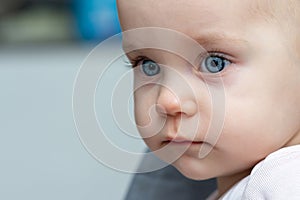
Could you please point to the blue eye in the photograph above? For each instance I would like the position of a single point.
(215, 64)
(150, 68)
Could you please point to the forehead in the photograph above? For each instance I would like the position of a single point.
(187, 16)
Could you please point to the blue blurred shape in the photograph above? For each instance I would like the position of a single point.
(97, 19)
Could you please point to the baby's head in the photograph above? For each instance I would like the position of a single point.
(251, 57)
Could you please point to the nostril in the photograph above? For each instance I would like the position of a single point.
(171, 104)
(188, 108)
(161, 110)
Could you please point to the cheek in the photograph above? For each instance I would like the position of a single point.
(144, 103)
(142, 113)
(259, 120)
(148, 122)
(245, 139)
(265, 95)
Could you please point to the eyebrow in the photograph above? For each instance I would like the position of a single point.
(212, 38)
(204, 39)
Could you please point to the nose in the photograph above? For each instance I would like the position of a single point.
(169, 103)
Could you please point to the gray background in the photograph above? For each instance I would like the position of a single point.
(40, 152)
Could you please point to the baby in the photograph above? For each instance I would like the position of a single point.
(250, 52)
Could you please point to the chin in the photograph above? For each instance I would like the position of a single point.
(194, 175)
(193, 169)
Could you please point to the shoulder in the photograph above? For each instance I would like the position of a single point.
(277, 176)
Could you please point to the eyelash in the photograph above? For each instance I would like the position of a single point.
(215, 52)
(133, 62)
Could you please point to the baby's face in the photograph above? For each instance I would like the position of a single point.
(249, 66)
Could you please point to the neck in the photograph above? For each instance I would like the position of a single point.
(226, 182)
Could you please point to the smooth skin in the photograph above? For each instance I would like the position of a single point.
(261, 79)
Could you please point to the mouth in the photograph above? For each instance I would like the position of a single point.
(181, 142)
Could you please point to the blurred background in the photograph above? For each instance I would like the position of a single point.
(24, 21)
(42, 44)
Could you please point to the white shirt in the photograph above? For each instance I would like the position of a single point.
(277, 177)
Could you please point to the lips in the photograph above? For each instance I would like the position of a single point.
(181, 141)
